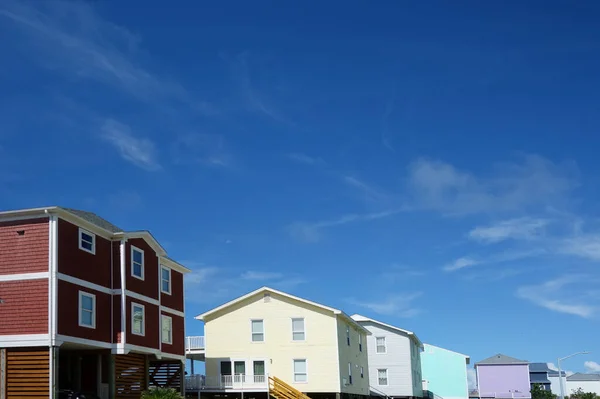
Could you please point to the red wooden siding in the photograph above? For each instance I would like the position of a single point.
(116, 303)
(68, 313)
(79, 263)
(26, 253)
(175, 300)
(151, 339)
(25, 307)
(116, 248)
(178, 346)
(149, 286)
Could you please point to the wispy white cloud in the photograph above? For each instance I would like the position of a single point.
(584, 246)
(369, 191)
(399, 305)
(592, 367)
(312, 232)
(524, 228)
(70, 36)
(261, 276)
(306, 159)
(139, 151)
(500, 257)
(564, 295)
(534, 181)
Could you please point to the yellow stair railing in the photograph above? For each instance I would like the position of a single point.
(280, 389)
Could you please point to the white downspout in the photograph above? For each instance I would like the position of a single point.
(123, 268)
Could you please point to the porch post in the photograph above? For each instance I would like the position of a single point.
(111, 376)
(53, 359)
(3, 373)
(192, 363)
(147, 374)
(182, 378)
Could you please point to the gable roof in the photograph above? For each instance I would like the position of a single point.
(539, 368)
(337, 312)
(94, 219)
(360, 318)
(467, 358)
(583, 377)
(501, 359)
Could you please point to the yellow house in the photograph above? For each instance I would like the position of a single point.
(317, 349)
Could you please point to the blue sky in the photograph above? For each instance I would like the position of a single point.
(431, 166)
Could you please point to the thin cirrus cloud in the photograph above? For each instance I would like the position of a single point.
(141, 152)
(566, 294)
(397, 305)
(495, 258)
(524, 228)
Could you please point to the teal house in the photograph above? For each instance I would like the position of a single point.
(444, 373)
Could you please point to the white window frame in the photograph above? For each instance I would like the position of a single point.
(387, 381)
(252, 332)
(162, 335)
(93, 297)
(303, 329)
(143, 332)
(294, 371)
(134, 248)
(350, 373)
(80, 235)
(162, 280)
(384, 346)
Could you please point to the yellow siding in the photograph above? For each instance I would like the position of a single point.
(352, 354)
(228, 336)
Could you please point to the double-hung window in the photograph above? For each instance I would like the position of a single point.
(258, 331)
(300, 374)
(350, 373)
(381, 348)
(348, 335)
(382, 377)
(298, 333)
(137, 263)
(359, 342)
(87, 310)
(138, 319)
(87, 241)
(165, 280)
(167, 329)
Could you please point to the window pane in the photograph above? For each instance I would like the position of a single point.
(86, 318)
(299, 377)
(86, 245)
(239, 367)
(165, 274)
(298, 336)
(87, 303)
(299, 366)
(165, 286)
(86, 237)
(137, 256)
(380, 341)
(259, 368)
(137, 269)
(257, 326)
(297, 325)
(138, 319)
(258, 337)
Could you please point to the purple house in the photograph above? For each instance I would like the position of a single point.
(502, 376)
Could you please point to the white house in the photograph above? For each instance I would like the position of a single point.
(394, 360)
(587, 383)
(268, 336)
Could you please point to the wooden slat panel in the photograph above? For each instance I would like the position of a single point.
(130, 376)
(28, 373)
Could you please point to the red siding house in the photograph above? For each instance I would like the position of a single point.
(86, 307)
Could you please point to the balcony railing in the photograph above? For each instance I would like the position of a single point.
(236, 381)
(194, 343)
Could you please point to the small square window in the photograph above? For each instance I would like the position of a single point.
(87, 241)
(137, 263)
(138, 319)
(258, 331)
(167, 329)
(87, 310)
(165, 280)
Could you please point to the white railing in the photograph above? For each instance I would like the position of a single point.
(194, 343)
(236, 381)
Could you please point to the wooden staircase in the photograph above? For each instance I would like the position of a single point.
(280, 389)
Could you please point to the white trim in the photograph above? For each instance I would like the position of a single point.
(362, 319)
(83, 283)
(144, 349)
(178, 267)
(43, 214)
(141, 297)
(146, 236)
(24, 276)
(161, 280)
(89, 233)
(131, 250)
(64, 339)
(303, 329)
(25, 340)
(252, 332)
(143, 332)
(172, 311)
(162, 340)
(53, 316)
(93, 297)
(294, 370)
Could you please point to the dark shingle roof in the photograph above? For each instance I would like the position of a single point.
(502, 359)
(539, 367)
(583, 377)
(554, 373)
(95, 219)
